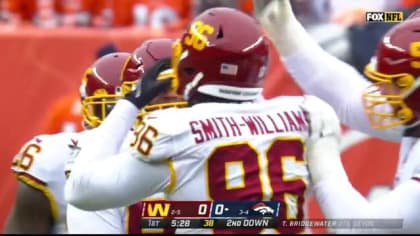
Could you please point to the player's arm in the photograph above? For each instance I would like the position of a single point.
(316, 71)
(79, 221)
(335, 194)
(110, 221)
(99, 180)
(35, 209)
(30, 214)
(118, 181)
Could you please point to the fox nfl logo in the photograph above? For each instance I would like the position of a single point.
(385, 16)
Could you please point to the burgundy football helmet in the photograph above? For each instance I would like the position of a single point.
(148, 54)
(108, 79)
(223, 54)
(394, 97)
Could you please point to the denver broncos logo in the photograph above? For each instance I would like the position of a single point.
(263, 209)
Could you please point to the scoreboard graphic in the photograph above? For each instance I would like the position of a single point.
(210, 214)
(239, 215)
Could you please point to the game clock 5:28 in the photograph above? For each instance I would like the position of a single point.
(180, 223)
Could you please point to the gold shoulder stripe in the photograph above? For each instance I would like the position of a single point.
(172, 180)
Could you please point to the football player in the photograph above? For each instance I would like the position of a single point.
(126, 220)
(40, 206)
(384, 103)
(224, 146)
(39, 165)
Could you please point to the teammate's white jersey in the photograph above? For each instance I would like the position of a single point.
(344, 92)
(211, 151)
(122, 220)
(40, 164)
(339, 84)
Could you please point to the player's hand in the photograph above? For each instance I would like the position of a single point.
(274, 15)
(154, 82)
(281, 25)
(323, 144)
(322, 119)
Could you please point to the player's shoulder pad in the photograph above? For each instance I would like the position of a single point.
(44, 156)
(153, 139)
(168, 121)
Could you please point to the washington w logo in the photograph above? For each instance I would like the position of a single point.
(263, 209)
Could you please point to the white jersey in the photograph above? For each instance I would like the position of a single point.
(122, 220)
(224, 144)
(211, 151)
(409, 160)
(40, 164)
(340, 85)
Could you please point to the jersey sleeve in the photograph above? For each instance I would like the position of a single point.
(100, 173)
(155, 138)
(338, 83)
(39, 164)
(318, 72)
(119, 180)
(37, 159)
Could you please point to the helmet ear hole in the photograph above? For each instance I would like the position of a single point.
(220, 33)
